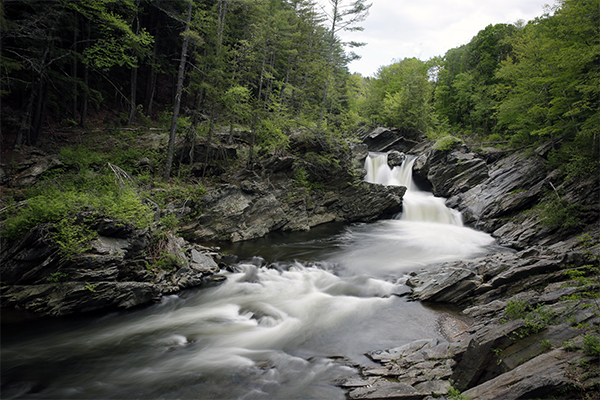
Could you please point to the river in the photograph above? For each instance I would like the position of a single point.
(294, 312)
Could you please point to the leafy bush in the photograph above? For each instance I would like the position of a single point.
(591, 345)
(447, 143)
(557, 213)
(81, 157)
(515, 309)
(53, 205)
(72, 238)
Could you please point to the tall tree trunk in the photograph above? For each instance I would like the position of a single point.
(86, 82)
(151, 86)
(133, 105)
(221, 28)
(262, 73)
(134, 74)
(40, 114)
(74, 67)
(177, 104)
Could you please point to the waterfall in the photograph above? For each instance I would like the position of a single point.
(418, 205)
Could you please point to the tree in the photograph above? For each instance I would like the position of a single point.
(179, 91)
(343, 16)
(400, 95)
(551, 84)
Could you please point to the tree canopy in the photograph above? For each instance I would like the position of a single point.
(274, 65)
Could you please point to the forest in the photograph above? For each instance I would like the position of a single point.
(270, 68)
(278, 65)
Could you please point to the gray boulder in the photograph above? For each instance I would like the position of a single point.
(251, 210)
(384, 139)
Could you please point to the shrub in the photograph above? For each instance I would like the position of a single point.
(447, 143)
(515, 309)
(72, 238)
(557, 213)
(591, 345)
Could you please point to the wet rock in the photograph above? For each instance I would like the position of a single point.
(395, 158)
(383, 389)
(476, 362)
(540, 377)
(448, 283)
(233, 214)
(415, 370)
(531, 346)
(386, 139)
(114, 273)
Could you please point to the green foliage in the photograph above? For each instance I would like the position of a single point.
(166, 262)
(302, 180)
(447, 143)
(546, 344)
(455, 394)
(579, 158)
(515, 309)
(591, 345)
(400, 95)
(57, 204)
(57, 277)
(559, 213)
(89, 287)
(80, 158)
(169, 222)
(72, 238)
(269, 135)
(536, 319)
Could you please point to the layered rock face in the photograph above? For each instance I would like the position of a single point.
(253, 209)
(117, 272)
(294, 194)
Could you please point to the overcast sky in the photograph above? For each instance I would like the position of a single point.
(397, 29)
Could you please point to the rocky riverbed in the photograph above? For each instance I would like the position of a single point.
(529, 319)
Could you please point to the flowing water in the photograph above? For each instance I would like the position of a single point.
(291, 306)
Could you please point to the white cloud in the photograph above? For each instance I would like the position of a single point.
(397, 29)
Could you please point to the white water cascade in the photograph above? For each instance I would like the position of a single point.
(418, 205)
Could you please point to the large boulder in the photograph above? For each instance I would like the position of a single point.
(384, 139)
(542, 376)
(515, 183)
(253, 209)
(450, 172)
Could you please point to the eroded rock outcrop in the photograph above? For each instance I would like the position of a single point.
(117, 271)
(294, 193)
(253, 209)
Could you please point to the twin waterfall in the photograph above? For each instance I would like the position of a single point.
(418, 206)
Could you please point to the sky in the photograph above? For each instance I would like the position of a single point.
(397, 29)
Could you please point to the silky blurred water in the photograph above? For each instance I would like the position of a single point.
(292, 307)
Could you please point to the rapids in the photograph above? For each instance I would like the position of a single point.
(292, 306)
